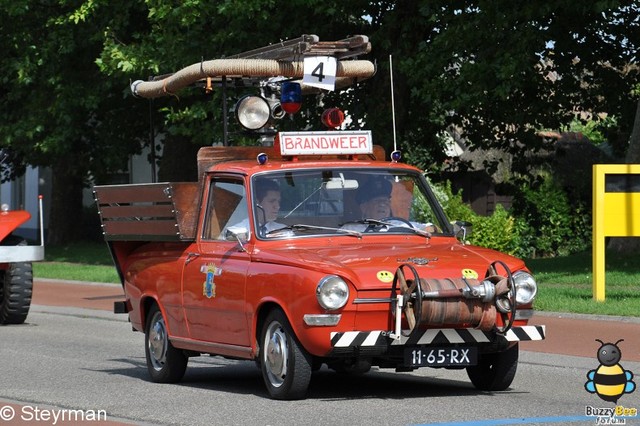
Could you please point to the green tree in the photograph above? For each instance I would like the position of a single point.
(500, 71)
(58, 109)
(182, 33)
(497, 70)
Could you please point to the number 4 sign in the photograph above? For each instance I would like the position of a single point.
(320, 71)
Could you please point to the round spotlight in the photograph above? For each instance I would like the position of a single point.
(253, 112)
(396, 156)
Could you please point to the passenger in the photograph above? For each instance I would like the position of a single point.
(267, 203)
(266, 210)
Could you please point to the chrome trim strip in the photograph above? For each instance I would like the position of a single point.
(372, 300)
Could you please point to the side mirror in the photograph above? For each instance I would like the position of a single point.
(462, 230)
(237, 233)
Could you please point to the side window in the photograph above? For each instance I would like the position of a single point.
(226, 206)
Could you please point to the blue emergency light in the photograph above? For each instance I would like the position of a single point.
(291, 97)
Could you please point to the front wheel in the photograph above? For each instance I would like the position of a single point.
(286, 366)
(16, 286)
(165, 363)
(495, 371)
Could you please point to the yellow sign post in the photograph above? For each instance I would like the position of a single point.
(616, 212)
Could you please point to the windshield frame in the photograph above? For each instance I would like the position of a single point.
(290, 210)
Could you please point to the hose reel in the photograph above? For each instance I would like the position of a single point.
(453, 301)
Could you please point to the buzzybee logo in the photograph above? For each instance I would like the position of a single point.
(609, 381)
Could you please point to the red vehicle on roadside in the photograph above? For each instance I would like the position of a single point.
(316, 250)
(16, 273)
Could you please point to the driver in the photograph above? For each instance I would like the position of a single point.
(374, 199)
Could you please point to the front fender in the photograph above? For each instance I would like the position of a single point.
(291, 290)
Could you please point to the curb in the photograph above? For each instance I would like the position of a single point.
(74, 282)
(589, 317)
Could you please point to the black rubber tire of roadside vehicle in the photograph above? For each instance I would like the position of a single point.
(16, 288)
(297, 367)
(495, 371)
(174, 365)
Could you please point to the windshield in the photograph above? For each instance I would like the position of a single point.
(344, 202)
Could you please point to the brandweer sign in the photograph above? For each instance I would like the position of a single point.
(330, 143)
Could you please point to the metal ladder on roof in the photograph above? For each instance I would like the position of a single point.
(309, 45)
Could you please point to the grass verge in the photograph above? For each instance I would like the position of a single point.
(564, 283)
(82, 262)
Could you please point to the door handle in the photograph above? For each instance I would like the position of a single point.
(191, 257)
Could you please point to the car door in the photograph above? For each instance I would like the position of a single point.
(214, 277)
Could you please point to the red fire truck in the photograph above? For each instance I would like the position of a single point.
(312, 250)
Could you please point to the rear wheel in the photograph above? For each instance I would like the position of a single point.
(165, 363)
(495, 371)
(16, 287)
(286, 366)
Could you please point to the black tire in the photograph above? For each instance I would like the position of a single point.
(16, 288)
(286, 366)
(165, 363)
(495, 371)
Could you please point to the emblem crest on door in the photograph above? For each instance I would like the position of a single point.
(209, 286)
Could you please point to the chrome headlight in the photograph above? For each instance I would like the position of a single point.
(526, 287)
(332, 292)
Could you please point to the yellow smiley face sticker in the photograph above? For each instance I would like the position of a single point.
(470, 274)
(385, 276)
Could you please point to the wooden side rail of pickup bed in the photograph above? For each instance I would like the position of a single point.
(149, 212)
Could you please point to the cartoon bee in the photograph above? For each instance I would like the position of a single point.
(609, 380)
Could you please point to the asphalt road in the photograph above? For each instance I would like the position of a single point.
(72, 361)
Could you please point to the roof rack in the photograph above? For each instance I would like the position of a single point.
(310, 45)
(284, 59)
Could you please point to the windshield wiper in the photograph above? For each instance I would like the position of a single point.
(368, 222)
(303, 227)
(388, 224)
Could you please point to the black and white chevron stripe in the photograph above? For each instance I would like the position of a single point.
(434, 336)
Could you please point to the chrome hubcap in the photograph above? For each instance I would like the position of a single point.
(158, 342)
(276, 354)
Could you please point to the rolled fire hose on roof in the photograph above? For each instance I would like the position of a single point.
(352, 69)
